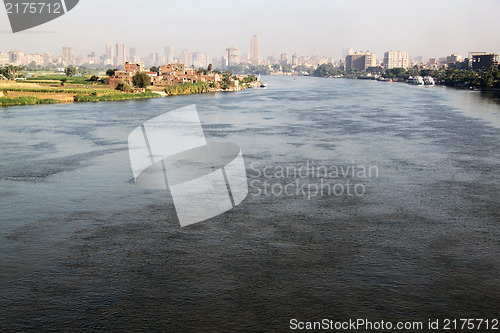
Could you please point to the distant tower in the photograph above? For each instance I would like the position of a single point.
(254, 49)
(283, 59)
(120, 54)
(232, 56)
(184, 58)
(133, 54)
(169, 54)
(109, 54)
(68, 56)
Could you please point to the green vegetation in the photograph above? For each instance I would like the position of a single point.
(124, 86)
(188, 89)
(248, 79)
(11, 72)
(141, 80)
(304, 69)
(245, 82)
(59, 90)
(25, 100)
(70, 70)
(226, 80)
(327, 70)
(286, 68)
(451, 77)
(111, 72)
(52, 78)
(113, 97)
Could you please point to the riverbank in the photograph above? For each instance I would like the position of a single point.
(14, 93)
(27, 93)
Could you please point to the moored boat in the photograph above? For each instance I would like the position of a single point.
(417, 80)
(429, 81)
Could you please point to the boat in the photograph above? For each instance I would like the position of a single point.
(262, 84)
(429, 81)
(384, 79)
(416, 81)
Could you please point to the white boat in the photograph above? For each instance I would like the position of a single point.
(262, 85)
(417, 80)
(429, 81)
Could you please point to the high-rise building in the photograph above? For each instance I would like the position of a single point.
(4, 59)
(184, 58)
(68, 56)
(133, 54)
(315, 59)
(199, 59)
(47, 59)
(360, 61)
(283, 59)
(396, 59)
(254, 49)
(15, 57)
(109, 54)
(120, 54)
(454, 58)
(169, 54)
(232, 56)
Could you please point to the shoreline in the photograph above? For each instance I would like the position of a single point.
(11, 94)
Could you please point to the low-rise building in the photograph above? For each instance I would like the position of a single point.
(482, 60)
(360, 61)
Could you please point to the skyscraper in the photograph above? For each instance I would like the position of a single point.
(254, 49)
(109, 54)
(133, 54)
(200, 59)
(120, 54)
(169, 54)
(68, 56)
(283, 59)
(184, 58)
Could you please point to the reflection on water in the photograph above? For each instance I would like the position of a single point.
(83, 248)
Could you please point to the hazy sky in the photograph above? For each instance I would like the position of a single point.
(429, 28)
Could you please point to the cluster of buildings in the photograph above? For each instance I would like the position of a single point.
(366, 61)
(171, 74)
(116, 55)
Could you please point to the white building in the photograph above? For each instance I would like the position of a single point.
(397, 59)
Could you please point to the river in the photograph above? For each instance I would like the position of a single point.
(82, 248)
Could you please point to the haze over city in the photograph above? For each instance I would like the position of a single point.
(422, 28)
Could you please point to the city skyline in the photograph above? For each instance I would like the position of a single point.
(418, 28)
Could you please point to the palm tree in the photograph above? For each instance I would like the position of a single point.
(13, 69)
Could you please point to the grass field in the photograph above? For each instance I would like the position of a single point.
(45, 89)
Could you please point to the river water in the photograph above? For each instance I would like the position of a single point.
(82, 248)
